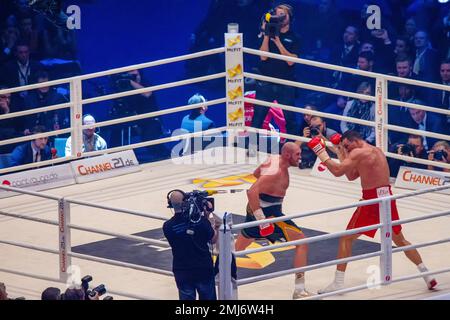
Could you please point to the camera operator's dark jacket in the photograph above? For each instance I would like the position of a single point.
(395, 164)
(47, 119)
(191, 256)
(279, 68)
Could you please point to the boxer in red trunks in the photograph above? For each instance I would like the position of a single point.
(360, 159)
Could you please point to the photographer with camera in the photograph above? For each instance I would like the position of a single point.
(146, 129)
(280, 39)
(76, 291)
(412, 148)
(316, 128)
(82, 291)
(441, 153)
(189, 233)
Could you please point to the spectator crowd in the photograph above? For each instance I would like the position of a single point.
(413, 43)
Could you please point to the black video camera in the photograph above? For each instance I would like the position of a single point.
(315, 131)
(121, 82)
(122, 106)
(194, 204)
(273, 23)
(440, 155)
(407, 149)
(100, 290)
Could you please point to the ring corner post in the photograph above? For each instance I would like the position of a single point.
(225, 259)
(65, 261)
(234, 82)
(386, 242)
(381, 114)
(76, 117)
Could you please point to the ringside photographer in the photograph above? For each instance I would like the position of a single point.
(140, 130)
(412, 148)
(277, 37)
(76, 291)
(189, 233)
(317, 128)
(440, 153)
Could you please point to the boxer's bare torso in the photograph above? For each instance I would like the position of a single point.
(371, 166)
(273, 177)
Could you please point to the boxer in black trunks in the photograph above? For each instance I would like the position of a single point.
(265, 199)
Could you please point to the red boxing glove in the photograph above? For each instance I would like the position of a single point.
(265, 229)
(317, 145)
(336, 139)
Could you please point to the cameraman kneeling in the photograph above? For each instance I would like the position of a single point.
(192, 261)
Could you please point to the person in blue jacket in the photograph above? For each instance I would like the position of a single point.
(197, 120)
(32, 151)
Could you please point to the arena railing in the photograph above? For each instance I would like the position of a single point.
(228, 286)
(380, 125)
(382, 102)
(65, 244)
(76, 104)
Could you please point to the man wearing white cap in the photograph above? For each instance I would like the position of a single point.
(91, 140)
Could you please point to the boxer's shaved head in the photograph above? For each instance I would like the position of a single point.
(289, 147)
(291, 153)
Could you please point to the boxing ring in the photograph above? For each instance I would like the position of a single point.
(30, 215)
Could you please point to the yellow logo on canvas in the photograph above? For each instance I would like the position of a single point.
(236, 93)
(227, 181)
(233, 41)
(236, 71)
(258, 260)
(236, 115)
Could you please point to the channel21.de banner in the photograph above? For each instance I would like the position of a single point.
(106, 166)
(412, 178)
(38, 179)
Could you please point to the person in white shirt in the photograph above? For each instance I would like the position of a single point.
(91, 140)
